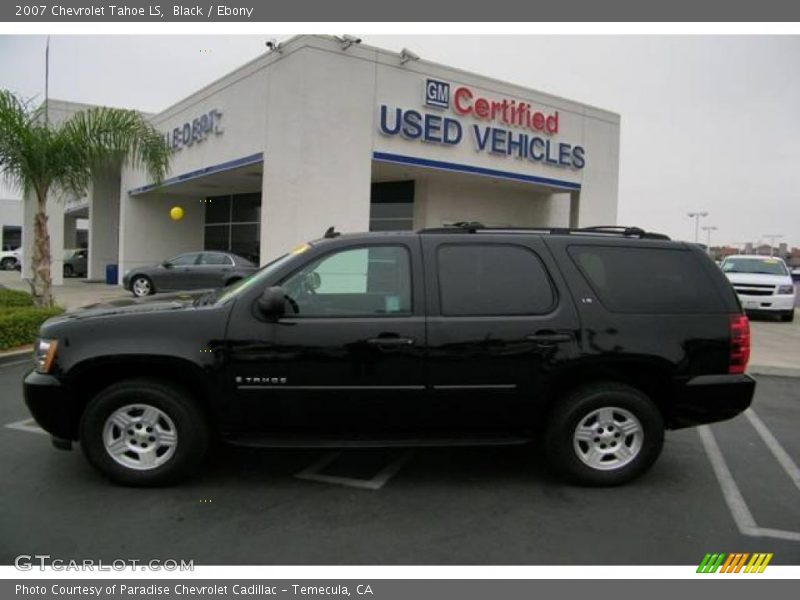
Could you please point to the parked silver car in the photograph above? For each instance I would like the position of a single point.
(189, 271)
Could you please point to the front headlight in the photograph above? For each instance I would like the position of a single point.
(786, 289)
(44, 354)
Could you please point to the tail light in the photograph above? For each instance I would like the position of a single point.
(740, 343)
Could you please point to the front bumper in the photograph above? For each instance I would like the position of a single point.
(710, 398)
(774, 303)
(52, 405)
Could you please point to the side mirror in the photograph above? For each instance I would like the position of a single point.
(272, 302)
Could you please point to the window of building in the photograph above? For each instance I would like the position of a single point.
(647, 280)
(391, 206)
(492, 279)
(374, 281)
(232, 224)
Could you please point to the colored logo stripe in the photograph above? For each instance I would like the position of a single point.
(735, 562)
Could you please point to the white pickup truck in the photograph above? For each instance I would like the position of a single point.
(763, 284)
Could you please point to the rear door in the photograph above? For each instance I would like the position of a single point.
(211, 269)
(500, 321)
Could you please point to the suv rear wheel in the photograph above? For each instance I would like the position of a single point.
(144, 432)
(604, 434)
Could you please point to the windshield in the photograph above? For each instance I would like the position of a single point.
(762, 266)
(232, 291)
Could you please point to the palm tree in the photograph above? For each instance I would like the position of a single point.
(41, 159)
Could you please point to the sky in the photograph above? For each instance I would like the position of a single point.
(709, 123)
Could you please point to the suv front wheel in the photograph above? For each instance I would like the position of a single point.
(604, 434)
(144, 432)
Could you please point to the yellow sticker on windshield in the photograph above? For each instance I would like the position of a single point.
(770, 261)
(300, 249)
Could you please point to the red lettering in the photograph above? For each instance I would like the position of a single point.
(482, 108)
(552, 123)
(457, 96)
(538, 121)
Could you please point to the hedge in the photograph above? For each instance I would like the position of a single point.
(10, 298)
(19, 326)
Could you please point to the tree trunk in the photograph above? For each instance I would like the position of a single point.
(41, 285)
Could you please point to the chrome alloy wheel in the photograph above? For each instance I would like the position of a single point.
(140, 436)
(608, 438)
(141, 287)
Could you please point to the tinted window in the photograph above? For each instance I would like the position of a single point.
(184, 259)
(372, 281)
(214, 258)
(492, 280)
(647, 280)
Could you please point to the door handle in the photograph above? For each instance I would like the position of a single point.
(390, 341)
(549, 338)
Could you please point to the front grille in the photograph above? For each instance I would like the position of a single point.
(755, 290)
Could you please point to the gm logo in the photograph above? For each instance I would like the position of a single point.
(437, 93)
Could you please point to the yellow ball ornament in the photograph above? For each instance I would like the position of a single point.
(176, 213)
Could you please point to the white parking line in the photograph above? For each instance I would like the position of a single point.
(27, 425)
(733, 497)
(312, 473)
(774, 446)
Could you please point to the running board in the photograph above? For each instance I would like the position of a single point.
(305, 441)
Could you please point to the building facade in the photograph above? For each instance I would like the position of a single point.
(324, 131)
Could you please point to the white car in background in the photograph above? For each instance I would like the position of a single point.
(10, 259)
(763, 284)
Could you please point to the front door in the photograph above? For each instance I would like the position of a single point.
(348, 357)
(177, 273)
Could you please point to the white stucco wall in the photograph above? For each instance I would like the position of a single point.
(313, 112)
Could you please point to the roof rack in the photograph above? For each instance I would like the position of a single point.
(607, 230)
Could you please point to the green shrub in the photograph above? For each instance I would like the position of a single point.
(19, 326)
(14, 298)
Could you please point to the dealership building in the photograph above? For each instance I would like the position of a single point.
(327, 131)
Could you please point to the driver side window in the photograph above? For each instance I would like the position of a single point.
(358, 282)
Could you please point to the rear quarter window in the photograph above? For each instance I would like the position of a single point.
(641, 280)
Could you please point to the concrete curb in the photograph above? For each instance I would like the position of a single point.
(15, 355)
(773, 371)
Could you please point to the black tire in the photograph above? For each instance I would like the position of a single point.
(788, 316)
(8, 264)
(68, 271)
(173, 401)
(576, 407)
(144, 279)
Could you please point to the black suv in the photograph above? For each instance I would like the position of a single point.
(593, 341)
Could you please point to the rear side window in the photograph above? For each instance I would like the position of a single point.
(487, 279)
(647, 280)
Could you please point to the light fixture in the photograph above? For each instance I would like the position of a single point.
(274, 46)
(407, 55)
(347, 40)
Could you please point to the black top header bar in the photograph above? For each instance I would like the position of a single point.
(407, 10)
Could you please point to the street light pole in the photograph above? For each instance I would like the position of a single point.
(696, 216)
(772, 237)
(708, 229)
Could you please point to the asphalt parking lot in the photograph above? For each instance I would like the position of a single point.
(424, 506)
